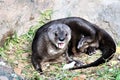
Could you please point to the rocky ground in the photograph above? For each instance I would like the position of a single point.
(18, 54)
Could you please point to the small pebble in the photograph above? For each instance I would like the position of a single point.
(68, 66)
(2, 63)
(119, 57)
(3, 78)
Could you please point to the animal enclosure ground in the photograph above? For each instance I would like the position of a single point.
(18, 56)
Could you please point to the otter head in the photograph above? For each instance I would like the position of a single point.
(59, 35)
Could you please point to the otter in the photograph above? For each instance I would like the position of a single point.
(84, 46)
(50, 42)
(102, 41)
(94, 38)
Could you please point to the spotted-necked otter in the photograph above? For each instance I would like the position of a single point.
(50, 42)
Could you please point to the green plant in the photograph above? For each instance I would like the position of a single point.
(17, 49)
(118, 77)
(119, 43)
(108, 73)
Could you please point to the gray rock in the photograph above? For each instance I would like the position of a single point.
(7, 72)
(19, 15)
(104, 13)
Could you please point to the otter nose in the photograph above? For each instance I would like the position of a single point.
(61, 39)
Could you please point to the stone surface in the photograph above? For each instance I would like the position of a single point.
(20, 15)
(104, 13)
(3, 78)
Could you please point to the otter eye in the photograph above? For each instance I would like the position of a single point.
(56, 34)
(66, 34)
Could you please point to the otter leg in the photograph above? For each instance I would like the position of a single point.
(84, 41)
(36, 64)
(91, 50)
(70, 59)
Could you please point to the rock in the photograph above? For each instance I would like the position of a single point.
(68, 66)
(104, 13)
(3, 78)
(7, 72)
(19, 15)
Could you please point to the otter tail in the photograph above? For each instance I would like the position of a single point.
(107, 54)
